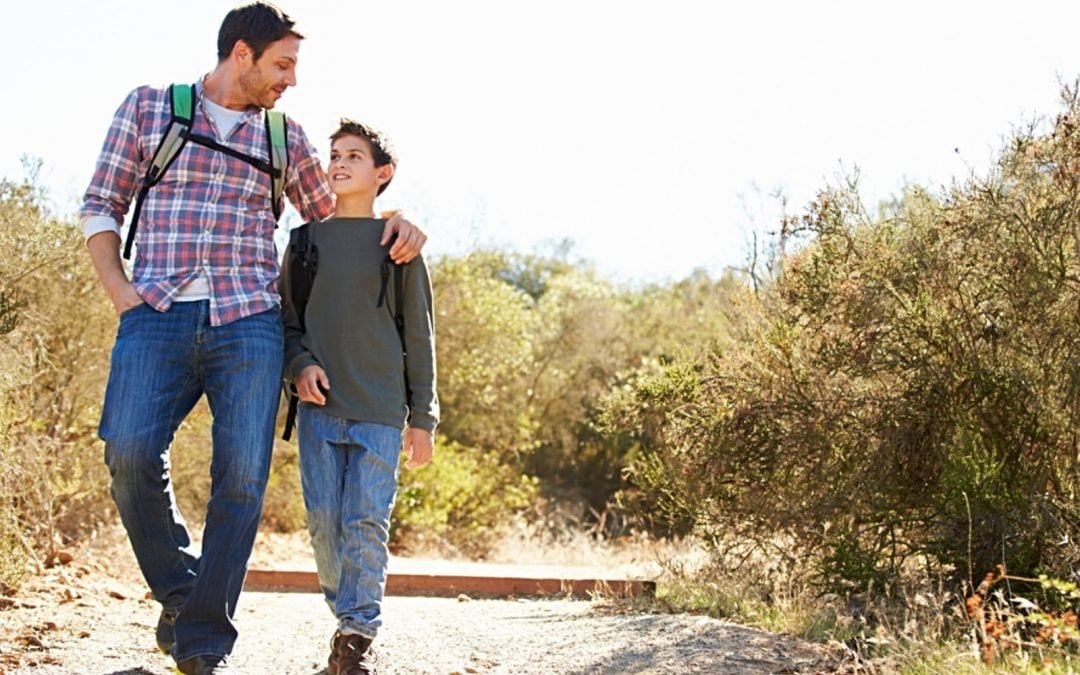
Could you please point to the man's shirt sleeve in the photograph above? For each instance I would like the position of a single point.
(116, 175)
(307, 186)
(97, 224)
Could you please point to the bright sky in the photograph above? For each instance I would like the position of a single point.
(650, 133)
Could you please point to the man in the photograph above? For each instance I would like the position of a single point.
(201, 316)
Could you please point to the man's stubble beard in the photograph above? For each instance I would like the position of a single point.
(255, 89)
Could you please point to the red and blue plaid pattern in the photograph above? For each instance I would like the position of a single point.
(210, 213)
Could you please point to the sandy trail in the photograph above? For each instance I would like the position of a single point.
(92, 617)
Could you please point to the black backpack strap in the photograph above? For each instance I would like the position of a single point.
(302, 272)
(398, 313)
(206, 141)
(303, 264)
(384, 278)
(290, 414)
(399, 321)
(399, 304)
(135, 221)
(181, 104)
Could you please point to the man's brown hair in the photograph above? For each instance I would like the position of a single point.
(258, 24)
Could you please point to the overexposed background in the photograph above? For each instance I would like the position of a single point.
(652, 134)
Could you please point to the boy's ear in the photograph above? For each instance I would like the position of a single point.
(384, 174)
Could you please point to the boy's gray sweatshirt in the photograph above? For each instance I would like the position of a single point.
(355, 341)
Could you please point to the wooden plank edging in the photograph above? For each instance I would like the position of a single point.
(452, 585)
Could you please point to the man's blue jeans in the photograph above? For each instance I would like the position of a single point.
(162, 363)
(349, 474)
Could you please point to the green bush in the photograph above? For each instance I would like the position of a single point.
(484, 329)
(462, 499)
(907, 386)
(531, 345)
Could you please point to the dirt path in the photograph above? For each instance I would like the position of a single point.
(93, 618)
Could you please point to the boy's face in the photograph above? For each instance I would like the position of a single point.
(352, 169)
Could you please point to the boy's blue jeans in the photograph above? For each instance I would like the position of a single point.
(349, 474)
(162, 363)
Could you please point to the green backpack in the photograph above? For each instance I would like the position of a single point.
(179, 132)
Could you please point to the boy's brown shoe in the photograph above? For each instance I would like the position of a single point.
(205, 665)
(352, 655)
(331, 661)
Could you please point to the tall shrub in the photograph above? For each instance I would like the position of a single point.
(54, 366)
(911, 388)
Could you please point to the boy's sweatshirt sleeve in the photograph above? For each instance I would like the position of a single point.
(420, 346)
(297, 357)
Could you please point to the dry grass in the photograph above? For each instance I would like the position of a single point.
(572, 546)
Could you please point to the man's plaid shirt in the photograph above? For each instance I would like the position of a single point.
(210, 213)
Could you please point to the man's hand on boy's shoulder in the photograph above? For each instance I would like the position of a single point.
(410, 238)
(312, 385)
(418, 448)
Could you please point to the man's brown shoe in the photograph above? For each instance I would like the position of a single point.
(165, 633)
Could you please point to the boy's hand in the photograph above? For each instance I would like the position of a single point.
(311, 384)
(409, 241)
(418, 448)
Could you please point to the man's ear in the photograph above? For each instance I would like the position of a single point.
(242, 51)
(384, 173)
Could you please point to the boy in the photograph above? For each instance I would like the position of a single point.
(359, 382)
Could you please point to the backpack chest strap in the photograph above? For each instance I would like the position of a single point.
(207, 142)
